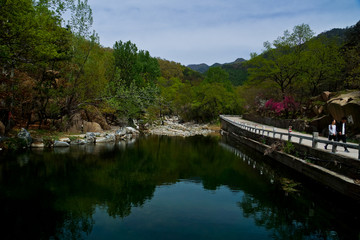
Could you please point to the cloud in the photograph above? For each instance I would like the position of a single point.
(195, 31)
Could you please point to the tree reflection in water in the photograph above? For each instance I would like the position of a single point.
(55, 194)
(295, 215)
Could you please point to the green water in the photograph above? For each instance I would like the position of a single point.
(165, 188)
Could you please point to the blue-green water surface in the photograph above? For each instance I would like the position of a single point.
(165, 188)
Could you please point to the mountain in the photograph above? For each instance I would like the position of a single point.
(237, 71)
(199, 67)
(202, 68)
(338, 33)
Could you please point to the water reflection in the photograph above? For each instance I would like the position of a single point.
(303, 214)
(60, 194)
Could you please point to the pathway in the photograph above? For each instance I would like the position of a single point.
(340, 150)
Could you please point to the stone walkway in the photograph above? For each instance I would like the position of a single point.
(340, 150)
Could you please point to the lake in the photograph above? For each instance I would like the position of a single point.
(165, 188)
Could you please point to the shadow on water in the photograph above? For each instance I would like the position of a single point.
(55, 194)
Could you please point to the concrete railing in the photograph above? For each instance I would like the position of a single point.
(289, 136)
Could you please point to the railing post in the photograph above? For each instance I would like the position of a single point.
(274, 130)
(333, 149)
(359, 152)
(314, 140)
(263, 130)
(300, 140)
(289, 132)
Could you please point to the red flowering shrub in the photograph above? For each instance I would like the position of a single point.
(286, 105)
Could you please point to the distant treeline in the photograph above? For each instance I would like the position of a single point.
(51, 68)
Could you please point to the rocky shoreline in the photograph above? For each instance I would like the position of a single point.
(170, 126)
(173, 127)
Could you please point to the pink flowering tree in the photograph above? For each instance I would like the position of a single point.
(283, 108)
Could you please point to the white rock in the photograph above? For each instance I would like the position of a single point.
(61, 144)
(120, 132)
(108, 138)
(65, 139)
(37, 145)
(131, 130)
(78, 142)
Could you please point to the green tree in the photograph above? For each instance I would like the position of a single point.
(321, 64)
(280, 61)
(125, 60)
(351, 54)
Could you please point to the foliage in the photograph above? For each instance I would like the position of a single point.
(299, 65)
(352, 58)
(289, 185)
(280, 62)
(288, 148)
(287, 105)
(13, 144)
(130, 101)
(50, 68)
(133, 65)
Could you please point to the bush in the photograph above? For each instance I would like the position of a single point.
(13, 144)
(289, 148)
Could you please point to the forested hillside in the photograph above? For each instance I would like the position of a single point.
(51, 69)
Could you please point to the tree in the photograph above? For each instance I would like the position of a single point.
(31, 40)
(125, 60)
(280, 61)
(322, 66)
(147, 68)
(352, 58)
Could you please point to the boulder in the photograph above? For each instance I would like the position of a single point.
(75, 122)
(65, 139)
(120, 132)
(326, 96)
(23, 134)
(2, 129)
(90, 137)
(37, 145)
(94, 115)
(92, 127)
(107, 139)
(81, 122)
(131, 130)
(78, 142)
(347, 105)
(61, 144)
(321, 124)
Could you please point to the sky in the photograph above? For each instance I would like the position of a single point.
(210, 31)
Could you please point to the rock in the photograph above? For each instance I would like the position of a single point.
(92, 127)
(325, 96)
(65, 139)
(318, 110)
(90, 137)
(120, 132)
(108, 138)
(347, 105)
(2, 129)
(75, 122)
(81, 122)
(94, 115)
(131, 130)
(321, 124)
(37, 145)
(23, 134)
(78, 142)
(61, 144)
